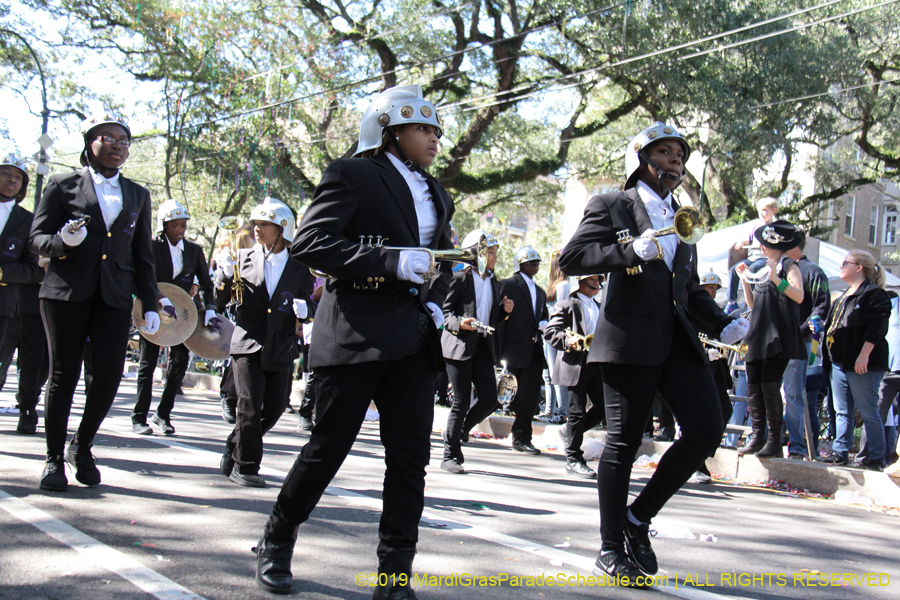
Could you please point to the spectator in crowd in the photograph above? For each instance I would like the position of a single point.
(767, 208)
(556, 396)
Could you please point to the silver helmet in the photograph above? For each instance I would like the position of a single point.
(11, 160)
(710, 279)
(524, 254)
(474, 236)
(169, 211)
(395, 106)
(275, 211)
(103, 118)
(636, 150)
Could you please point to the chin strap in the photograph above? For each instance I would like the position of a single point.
(267, 252)
(409, 164)
(662, 174)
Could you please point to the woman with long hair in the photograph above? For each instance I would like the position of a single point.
(857, 348)
(556, 397)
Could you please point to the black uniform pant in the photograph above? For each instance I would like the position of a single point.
(477, 370)
(179, 356)
(685, 381)
(529, 379)
(262, 397)
(68, 325)
(308, 403)
(403, 392)
(33, 364)
(8, 343)
(580, 418)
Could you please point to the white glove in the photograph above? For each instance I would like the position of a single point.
(152, 325)
(168, 307)
(300, 308)
(412, 265)
(645, 247)
(437, 315)
(713, 354)
(210, 314)
(543, 324)
(735, 331)
(228, 268)
(72, 239)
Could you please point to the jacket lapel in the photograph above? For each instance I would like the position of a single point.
(127, 219)
(578, 315)
(256, 260)
(92, 205)
(12, 222)
(638, 211)
(400, 191)
(164, 271)
(527, 293)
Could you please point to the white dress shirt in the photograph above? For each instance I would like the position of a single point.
(662, 215)
(273, 267)
(426, 213)
(5, 211)
(484, 297)
(591, 313)
(109, 195)
(177, 252)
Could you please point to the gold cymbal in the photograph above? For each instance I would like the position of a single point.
(209, 343)
(172, 331)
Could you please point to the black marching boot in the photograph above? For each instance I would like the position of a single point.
(395, 570)
(273, 556)
(775, 417)
(757, 419)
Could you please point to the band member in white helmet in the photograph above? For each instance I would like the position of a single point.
(376, 332)
(94, 269)
(471, 352)
(276, 293)
(178, 261)
(646, 342)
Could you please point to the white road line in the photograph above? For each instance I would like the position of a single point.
(97, 552)
(553, 554)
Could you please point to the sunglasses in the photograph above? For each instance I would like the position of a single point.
(847, 262)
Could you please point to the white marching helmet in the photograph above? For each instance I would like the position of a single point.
(169, 211)
(524, 254)
(395, 106)
(11, 160)
(474, 236)
(103, 118)
(276, 211)
(710, 279)
(635, 151)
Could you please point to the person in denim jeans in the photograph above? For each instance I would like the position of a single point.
(858, 350)
(816, 301)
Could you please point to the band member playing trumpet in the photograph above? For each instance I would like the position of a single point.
(375, 335)
(275, 293)
(178, 261)
(646, 342)
(470, 354)
(571, 322)
(93, 271)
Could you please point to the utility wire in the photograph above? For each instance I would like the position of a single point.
(828, 93)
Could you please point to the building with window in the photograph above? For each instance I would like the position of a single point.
(867, 219)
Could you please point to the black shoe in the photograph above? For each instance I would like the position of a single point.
(452, 466)
(463, 437)
(305, 423)
(618, 564)
(396, 592)
(666, 435)
(141, 428)
(28, 421)
(289, 410)
(247, 480)
(580, 469)
(53, 479)
(226, 463)
(273, 556)
(565, 435)
(525, 447)
(869, 465)
(164, 424)
(637, 543)
(835, 458)
(228, 413)
(80, 457)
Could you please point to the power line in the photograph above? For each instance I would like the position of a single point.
(828, 93)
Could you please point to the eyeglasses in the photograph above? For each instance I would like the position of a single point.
(847, 262)
(108, 140)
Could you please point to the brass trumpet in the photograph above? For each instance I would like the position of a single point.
(232, 224)
(741, 350)
(583, 341)
(76, 225)
(689, 227)
(480, 327)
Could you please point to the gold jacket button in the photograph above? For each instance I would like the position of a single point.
(103, 257)
(674, 303)
(269, 310)
(381, 280)
(532, 338)
(370, 280)
(108, 234)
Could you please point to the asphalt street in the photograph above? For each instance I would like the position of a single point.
(166, 524)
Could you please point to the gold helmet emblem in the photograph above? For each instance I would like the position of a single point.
(384, 119)
(272, 215)
(651, 135)
(283, 222)
(406, 112)
(637, 147)
(426, 111)
(668, 130)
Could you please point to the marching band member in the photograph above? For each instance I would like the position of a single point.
(471, 354)
(276, 293)
(522, 346)
(32, 362)
(178, 261)
(93, 271)
(376, 329)
(577, 314)
(645, 342)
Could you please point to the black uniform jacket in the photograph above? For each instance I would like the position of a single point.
(193, 264)
(521, 333)
(459, 344)
(19, 263)
(639, 312)
(567, 314)
(264, 323)
(119, 261)
(358, 200)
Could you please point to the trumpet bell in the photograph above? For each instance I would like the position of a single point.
(231, 223)
(689, 225)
